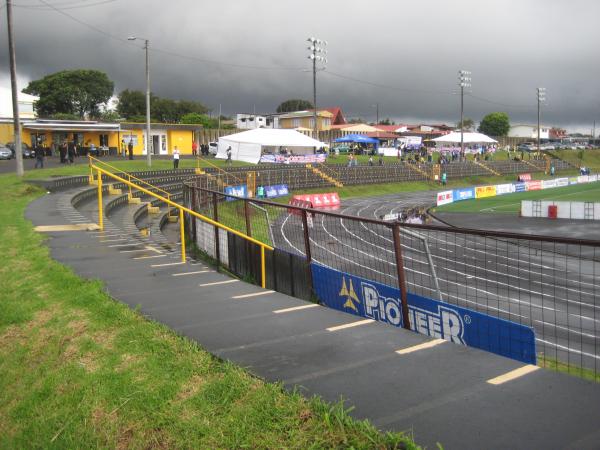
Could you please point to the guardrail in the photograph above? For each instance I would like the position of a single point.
(182, 209)
(548, 285)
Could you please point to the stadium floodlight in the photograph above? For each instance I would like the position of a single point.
(317, 55)
(464, 81)
(541, 98)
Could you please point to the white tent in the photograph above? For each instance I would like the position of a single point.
(468, 138)
(248, 146)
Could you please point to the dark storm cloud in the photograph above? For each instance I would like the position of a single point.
(410, 50)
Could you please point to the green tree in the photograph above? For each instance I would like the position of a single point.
(468, 124)
(495, 124)
(294, 105)
(195, 118)
(64, 116)
(131, 104)
(80, 92)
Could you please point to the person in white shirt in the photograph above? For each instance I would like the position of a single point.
(175, 158)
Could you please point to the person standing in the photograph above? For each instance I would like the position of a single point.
(380, 159)
(71, 152)
(195, 148)
(39, 155)
(175, 158)
(229, 162)
(63, 152)
(130, 149)
(123, 148)
(370, 160)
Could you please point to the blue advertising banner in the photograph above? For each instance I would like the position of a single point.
(520, 187)
(365, 298)
(238, 191)
(463, 194)
(278, 190)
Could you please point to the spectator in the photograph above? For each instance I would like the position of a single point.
(130, 149)
(229, 162)
(381, 160)
(123, 148)
(175, 158)
(444, 178)
(370, 160)
(194, 148)
(39, 155)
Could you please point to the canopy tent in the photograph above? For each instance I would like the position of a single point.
(248, 146)
(468, 138)
(357, 138)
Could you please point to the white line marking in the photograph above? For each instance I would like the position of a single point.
(218, 282)
(167, 264)
(124, 245)
(512, 375)
(113, 240)
(423, 346)
(148, 257)
(295, 308)
(255, 294)
(350, 325)
(182, 274)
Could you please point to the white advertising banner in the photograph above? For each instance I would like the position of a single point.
(548, 184)
(443, 198)
(560, 182)
(502, 189)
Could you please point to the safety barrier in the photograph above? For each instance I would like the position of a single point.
(182, 209)
(532, 286)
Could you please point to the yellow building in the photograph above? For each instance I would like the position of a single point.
(52, 133)
(305, 119)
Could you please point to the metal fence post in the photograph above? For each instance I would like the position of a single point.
(100, 212)
(401, 276)
(307, 247)
(247, 215)
(216, 219)
(182, 234)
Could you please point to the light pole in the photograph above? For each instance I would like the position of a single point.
(15, 92)
(376, 105)
(148, 154)
(464, 81)
(541, 97)
(317, 53)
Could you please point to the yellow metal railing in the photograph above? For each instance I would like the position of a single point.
(182, 209)
(130, 177)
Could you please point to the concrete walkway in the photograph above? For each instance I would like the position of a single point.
(441, 392)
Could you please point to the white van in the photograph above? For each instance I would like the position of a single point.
(213, 148)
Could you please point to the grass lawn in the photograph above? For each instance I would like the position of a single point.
(586, 158)
(78, 369)
(511, 203)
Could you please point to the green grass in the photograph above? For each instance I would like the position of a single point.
(511, 203)
(557, 366)
(587, 158)
(78, 369)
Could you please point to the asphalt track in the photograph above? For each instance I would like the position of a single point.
(547, 287)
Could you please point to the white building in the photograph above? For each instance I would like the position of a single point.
(25, 101)
(529, 131)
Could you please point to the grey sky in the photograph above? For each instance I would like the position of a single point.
(414, 49)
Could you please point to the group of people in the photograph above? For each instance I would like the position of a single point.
(127, 149)
(203, 149)
(68, 151)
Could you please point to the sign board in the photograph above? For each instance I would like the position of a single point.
(548, 184)
(300, 204)
(326, 200)
(520, 187)
(238, 191)
(278, 190)
(485, 191)
(372, 300)
(463, 194)
(443, 198)
(524, 177)
(130, 137)
(502, 189)
(300, 159)
(560, 182)
(534, 185)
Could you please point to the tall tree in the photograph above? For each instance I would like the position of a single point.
(495, 124)
(81, 92)
(294, 105)
(468, 124)
(132, 106)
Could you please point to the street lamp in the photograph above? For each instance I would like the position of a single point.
(317, 54)
(148, 155)
(541, 97)
(376, 106)
(464, 81)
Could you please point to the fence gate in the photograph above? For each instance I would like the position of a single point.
(251, 183)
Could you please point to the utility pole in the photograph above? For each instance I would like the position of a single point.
(15, 91)
(146, 47)
(464, 80)
(541, 97)
(317, 46)
(219, 127)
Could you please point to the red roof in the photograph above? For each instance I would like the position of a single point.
(338, 115)
(388, 128)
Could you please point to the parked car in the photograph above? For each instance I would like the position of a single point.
(28, 152)
(526, 147)
(5, 153)
(213, 148)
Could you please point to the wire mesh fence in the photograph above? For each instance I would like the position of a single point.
(549, 284)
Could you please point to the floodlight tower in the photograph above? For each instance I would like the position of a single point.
(317, 53)
(464, 81)
(541, 98)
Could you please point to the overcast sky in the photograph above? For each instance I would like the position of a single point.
(250, 55)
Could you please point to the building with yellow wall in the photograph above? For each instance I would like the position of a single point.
(305, 119)
(110, 136)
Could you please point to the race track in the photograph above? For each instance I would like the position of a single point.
(548, 287)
